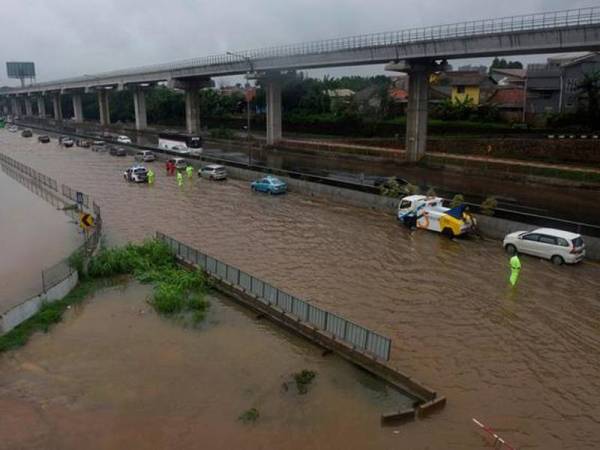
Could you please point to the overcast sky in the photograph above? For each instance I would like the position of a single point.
(74, 37)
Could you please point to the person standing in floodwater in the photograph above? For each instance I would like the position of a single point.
(179, 179)
(150, 176)
(515, 269)
(190, 171)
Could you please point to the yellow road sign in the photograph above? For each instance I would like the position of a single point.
(86, 220)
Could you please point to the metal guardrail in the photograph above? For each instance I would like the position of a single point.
(513, 24)
(341, 329)
(37, 183)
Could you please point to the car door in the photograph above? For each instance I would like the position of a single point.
(548, 246)
(529, 244)
(263, 185)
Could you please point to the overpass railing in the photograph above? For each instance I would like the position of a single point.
(339, 328)
(512, 24)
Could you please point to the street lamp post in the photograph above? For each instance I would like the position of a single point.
(248, 100)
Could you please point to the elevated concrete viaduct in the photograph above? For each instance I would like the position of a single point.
(417, 50)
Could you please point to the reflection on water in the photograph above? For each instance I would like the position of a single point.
(524, 362)
(149, 383)
(33, 236)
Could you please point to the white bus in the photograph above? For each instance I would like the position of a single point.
(184, 144)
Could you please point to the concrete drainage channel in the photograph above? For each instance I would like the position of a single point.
(362, 347)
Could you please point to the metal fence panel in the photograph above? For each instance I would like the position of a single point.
(335, 325)
(270, 294)
(55, 274)
(232, 275)
(300, 309)
(211, 265)
(221, 270)
(257, 287)
(356, 335)
(316, 316)
(284, 301)
(378, 345)
(245, 281)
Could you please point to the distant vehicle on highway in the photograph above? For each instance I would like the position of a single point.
(180, 163)
(270, 184)
(136, 174)
(181, 143)
(26, 133)
(44, 139)
(213, 172)
(145, 155)
(82, 143)
(13, 128)
(118, 151)
(122, 139)
(548, 243)
(65, 141)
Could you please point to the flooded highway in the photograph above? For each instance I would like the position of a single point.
(34, 236)
(525, 362)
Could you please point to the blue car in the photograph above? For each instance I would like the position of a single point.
(269, 184)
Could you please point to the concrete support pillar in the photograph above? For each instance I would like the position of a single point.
(28, 108)
(192, 111)
(14, 106)
(417, 111)
(41, 105)
(77, 108)
(139, 104)
(273, 87)
(57, 107)
(104, 107)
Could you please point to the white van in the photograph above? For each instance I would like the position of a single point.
(556, 245)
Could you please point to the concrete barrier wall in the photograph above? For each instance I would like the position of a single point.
(20, 313)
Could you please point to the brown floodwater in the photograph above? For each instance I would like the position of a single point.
(33, 236)
(525, 361)
(115, 375)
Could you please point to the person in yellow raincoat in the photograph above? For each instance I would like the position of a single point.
(179, 179)
(150, 176)
(515, 268)
(190, 171)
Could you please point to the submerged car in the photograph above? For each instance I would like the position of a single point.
(213, 172)
(136, 174)
(270, 184)
(145, 155)
(67, 142)
(82, 143)
(13, 128)
(548, 243)
(117, 151)
(26, 133)
(44, 139)
(123, 139)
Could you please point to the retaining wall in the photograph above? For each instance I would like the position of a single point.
(20, 313)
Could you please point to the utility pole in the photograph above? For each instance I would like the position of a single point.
(248, 100)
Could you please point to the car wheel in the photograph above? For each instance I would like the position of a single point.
(557, 260)
(448, 233)
(511, 249)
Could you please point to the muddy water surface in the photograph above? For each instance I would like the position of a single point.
(33, 236)
(114, 375)
(526, 361)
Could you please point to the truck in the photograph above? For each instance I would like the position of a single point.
(428, 213)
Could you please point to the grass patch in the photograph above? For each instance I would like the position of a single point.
(178, 292)
(249, 416)
(303, 379)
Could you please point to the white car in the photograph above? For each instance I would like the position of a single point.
(556, 245)
(180, 150)
(13, 128)
(213, 172)
(124, 139)
(145, 155)
(180, 163)
(136, 174)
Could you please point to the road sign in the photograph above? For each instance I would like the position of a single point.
(86, 221)
(79, 197)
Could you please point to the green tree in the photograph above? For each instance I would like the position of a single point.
(589, 89)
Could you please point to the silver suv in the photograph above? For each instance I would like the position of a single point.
(213, 172)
